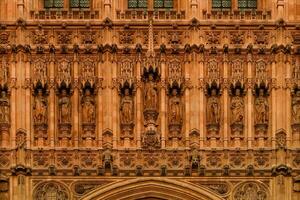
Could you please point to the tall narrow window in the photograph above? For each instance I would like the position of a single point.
(137, 3)
(80, 3)
(54, 3)
(247, 4)
(221, 4)
(163, 3)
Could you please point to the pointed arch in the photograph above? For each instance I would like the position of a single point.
(151, 187)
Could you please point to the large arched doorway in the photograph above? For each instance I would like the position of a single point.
(151, 189)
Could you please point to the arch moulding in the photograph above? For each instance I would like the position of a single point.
(152, 187)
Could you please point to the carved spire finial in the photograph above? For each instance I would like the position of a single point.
(150, 52)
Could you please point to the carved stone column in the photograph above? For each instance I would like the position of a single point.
(163, 107)
(249, 102)
(52, 100)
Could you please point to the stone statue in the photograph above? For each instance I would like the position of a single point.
(88, 107)
(213, 108)
(64, 107)
(296, 108)
(40, 108)
(151, 96)
(126, 108)
(237, 108)
(21, 144)
(175, 111)
(4, 107)
(261, 108)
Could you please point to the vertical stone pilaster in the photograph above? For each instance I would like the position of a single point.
(75, 105)
(52, 101)
(114, 96)
(274, 101)
(201, 100)
(26, 86)
(163, 104)
(249, 104)
(138, 101)
(99, 104)
(226, 120)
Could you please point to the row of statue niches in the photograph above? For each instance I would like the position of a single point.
(151, 98)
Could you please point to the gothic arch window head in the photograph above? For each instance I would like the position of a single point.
(137, 3)
(163, 4)
(53, 3)
(221, 4)
(247, 4)
(80, 3)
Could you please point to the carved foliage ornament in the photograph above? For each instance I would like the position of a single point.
(250, 191)
(50, 190)
(4, 72)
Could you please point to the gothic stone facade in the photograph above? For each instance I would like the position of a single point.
(189, 102)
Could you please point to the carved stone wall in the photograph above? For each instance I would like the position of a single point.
(96, 99)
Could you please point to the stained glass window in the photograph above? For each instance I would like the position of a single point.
(80, 3)
(54, 3)
(163, 3)
(247, 4)
(221, 4)
(137, 3)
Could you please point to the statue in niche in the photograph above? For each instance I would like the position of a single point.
(64, 107)
(88, 107)
(126, 108)
(261, 108)
(151, 96)
(4, 107)
(21, 145)
(213, 108)
(237, 108)
(175, 109)
(296, 107)
(40, 107)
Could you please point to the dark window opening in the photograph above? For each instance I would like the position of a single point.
(221, 4)
(54, 3)
(80, 3)
(163, 3)
(137, 3)
(247, 4)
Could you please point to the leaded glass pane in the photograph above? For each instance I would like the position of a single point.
(137, 3)
(84, 3)
(158, 3)
(163, 3)
(142, 3)
(74, 3)
(80, 3)
(226, 3)
(247, 4)
(54, 3)
(168, 3)
(221, 4)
